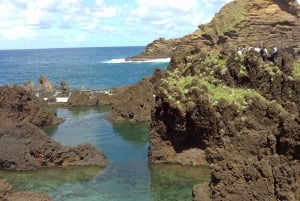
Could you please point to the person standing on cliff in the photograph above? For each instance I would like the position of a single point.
(274, 54)
(264, 53)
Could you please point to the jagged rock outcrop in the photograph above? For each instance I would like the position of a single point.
(7, 193)
(141, 99)
(88, 98)
(64, 86)
(23, 145)
(239, 114)
(29, 86)
(241, 23)
(21, 105)
(45, 86)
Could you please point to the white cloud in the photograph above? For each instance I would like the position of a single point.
(170, 18)
(33, 15)
(18, 32)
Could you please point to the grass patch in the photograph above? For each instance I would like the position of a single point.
(296, 71)
(214, 59)
(233, 14)
(235, 96)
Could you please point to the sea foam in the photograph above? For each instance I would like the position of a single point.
(123, 60)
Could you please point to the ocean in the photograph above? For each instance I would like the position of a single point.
(128, 177)
(98, 68)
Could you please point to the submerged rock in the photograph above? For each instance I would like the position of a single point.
(8, 193)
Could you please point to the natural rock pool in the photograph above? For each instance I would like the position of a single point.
(128, 177)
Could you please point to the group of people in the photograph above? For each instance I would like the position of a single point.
(263, 52)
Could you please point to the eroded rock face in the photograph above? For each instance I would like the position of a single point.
(9, 194)
(45, 86)
(242, 113)
(21, 105)
(24, 146)
(133, 103)
(255, 23)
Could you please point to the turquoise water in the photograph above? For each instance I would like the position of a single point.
(128, 177)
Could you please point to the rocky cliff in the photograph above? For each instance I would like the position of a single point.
(241, 23)
(237, 113)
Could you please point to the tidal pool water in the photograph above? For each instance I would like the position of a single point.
(128, 177)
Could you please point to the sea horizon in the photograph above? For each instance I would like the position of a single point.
(88, 67)
(49, 48)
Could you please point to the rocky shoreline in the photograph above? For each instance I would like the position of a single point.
(212, 106)
(24, 146)
(234, 112)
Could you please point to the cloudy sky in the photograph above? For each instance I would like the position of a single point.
(96, 23)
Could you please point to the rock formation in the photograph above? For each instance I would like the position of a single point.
(141, 99)
(64, 86)
(21, 105)
(235, 112)
(45, 86)
(241, 23)
(239, 114)
(23, 145)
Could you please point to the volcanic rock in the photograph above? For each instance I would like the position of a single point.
(23, 145)
(45, 86)
(141, 99)
(21, 105)
(237, 113)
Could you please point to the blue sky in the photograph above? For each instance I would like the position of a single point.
(96, 23)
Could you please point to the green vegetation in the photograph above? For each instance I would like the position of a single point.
(273, 70)
(214, 59)
(235, 96)
(207, 81)
(234, 14)
(214, 92)
(296, 71)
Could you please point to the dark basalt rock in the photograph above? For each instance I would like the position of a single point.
(23, 145)
(238, 114)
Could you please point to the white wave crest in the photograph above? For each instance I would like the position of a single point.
(118, 61)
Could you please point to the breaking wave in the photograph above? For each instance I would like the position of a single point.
(118, 61)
